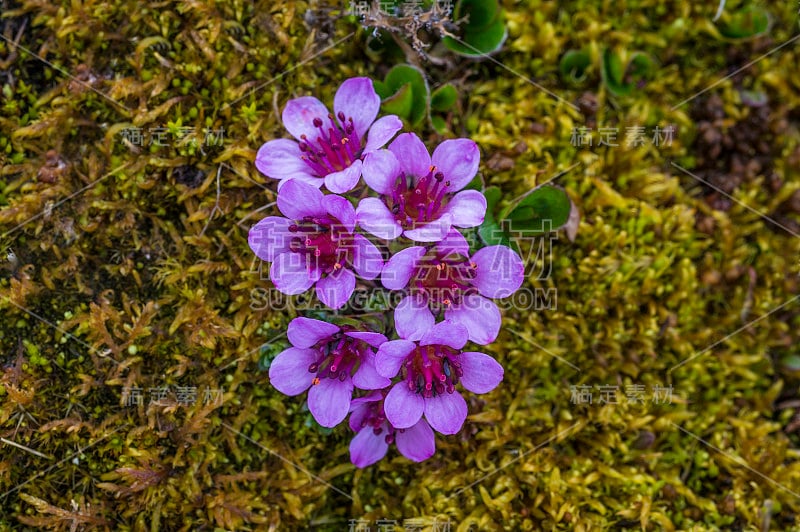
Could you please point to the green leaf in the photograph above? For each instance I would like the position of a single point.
(490, 231)
(439, 124)
(574, 65)
(622, 79)
(444, 97)
(401, 104)
(406, 75)
(480, 14)
(542, 210)
(480, 42)
(746, 23)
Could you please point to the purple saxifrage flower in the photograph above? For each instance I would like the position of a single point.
(431, 368)
(445, 277)
(330, 360)
(315, 243)
(420, 196)
(375, 433)
(331, 146)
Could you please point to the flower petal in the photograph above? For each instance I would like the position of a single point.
(305, 332)
(433, 231)
(315, 182)
(357, 99)
(453, 244)
(341, 209)
(291, 274)
(280, 158)
(458, 160)
(500, 271)
(329, 401)
(270, 237)
(446, 413)
(344, 180)
(447, 333)
(358, 414)
(288, 372)
(412, 317)
(367, 259)
(372, 338)
(390, 357)
(373, 216)
(381, 170)
(479, 315)
(366, 447)
(482, 373)
(297, 200)
(412, 155)
(382, 132)
(399, 269)
(367, 377)
(335, 289)
(402, 406)
(467, 208)
(417, 443)
(299, 114)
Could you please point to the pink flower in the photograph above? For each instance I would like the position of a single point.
(431, 368)
(331, 146)
(420, 196)
(375, 433)
(330, 360)
(314, 244)
(446, 278)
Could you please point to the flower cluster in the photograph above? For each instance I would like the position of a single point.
(413, 204)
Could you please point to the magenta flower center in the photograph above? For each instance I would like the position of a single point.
(445, 280)
(432, 370)
(376, 418)
(341, 356)
(323, 242)
(418, 200)
(334, 149)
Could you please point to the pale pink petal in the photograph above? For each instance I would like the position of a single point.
(412, 318)
(467, 208)
(372, 338)
(342, 210)
(433, 231)
(281, 158)
(270, 237)
(391, 355)
(291, 274)
(499, 273)
(381, 170)
(305, 332)
(373, 216)
(417, 443)
(366, 447)
(382, 132)
(367, 259)
(458, 160)
(412, 155)
(367, 377)
(297, 200)
(399, 269)
(446, 333)
(402, 406)
(329, 401)
(299, 114)
(446, 412)
(357, 99)
(482, 373)
(479, 315)
(288, 372)
(344, 180)
(335, 289)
